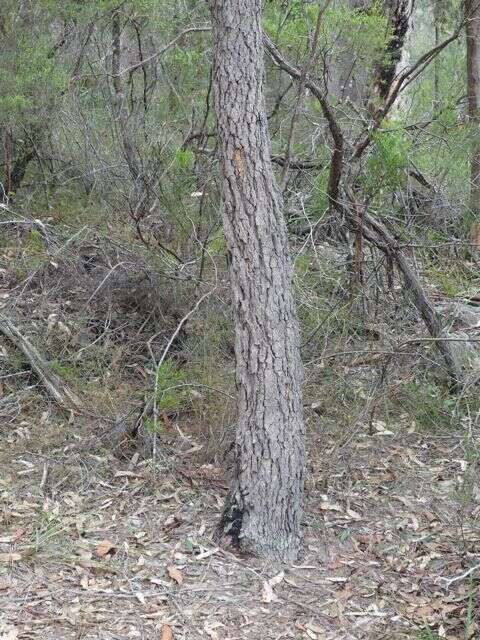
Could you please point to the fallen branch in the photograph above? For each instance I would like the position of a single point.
(378, 234)
(52, 383)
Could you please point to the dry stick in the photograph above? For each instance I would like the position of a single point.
(52, 383)
(390, 247)
(336, 162)
(152, 405)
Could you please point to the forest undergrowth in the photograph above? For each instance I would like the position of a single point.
(103, 536)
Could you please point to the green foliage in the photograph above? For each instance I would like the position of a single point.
(30, 76)
(430, 405)
(427, 634)
(216, 245)
(318, 204)
(389, 160)
(184, 158)
(168, 393)
(453, 282)
(64, 370)
(363, 32)
(168, 380)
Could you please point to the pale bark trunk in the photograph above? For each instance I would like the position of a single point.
(264, 508)
(350, 78)
(473, 90)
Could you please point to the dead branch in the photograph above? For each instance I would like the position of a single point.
(336, 163)
(378, 234)
(52, 383)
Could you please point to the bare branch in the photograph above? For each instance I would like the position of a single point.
(335, 131)
(159, 53)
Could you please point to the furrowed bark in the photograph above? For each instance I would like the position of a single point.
(473, 89)
(263, 510)
(399, 14)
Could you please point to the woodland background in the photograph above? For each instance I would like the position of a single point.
(117, 403)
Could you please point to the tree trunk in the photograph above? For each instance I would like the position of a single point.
(437, 12)
(473, 89)
(399, 14)
(263, 510)
(121, 115)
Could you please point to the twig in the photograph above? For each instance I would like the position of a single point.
(450, 581)
(159, 53)
(43, 481)
(159, 364)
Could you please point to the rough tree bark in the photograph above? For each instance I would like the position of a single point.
(472, 8)
(399, 14)
(263, 510)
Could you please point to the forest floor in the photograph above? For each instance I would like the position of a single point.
(92, 546)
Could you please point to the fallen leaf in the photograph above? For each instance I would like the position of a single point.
(210, 629)
(175, 574)
(104, 548)
(268, 594)
(141, 598)
(127, 474)
(328, 506)
(167, 633)
(353, 514)
(207, 554)
(277, 579)
(5, 584)
(10, 557)
(315, 628)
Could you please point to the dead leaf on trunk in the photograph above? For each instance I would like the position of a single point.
(175, 574)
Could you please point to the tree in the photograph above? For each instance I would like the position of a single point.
(473, 90)
(263, 510)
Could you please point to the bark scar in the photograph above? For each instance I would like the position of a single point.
(239, 163)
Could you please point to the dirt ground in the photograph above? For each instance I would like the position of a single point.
(96, 547)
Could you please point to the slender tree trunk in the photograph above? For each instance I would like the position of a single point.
(121, 115)
(264, 508)
(7, 154)
(436, 63)
(473, 90)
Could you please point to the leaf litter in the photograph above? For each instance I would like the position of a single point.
(391, 548)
